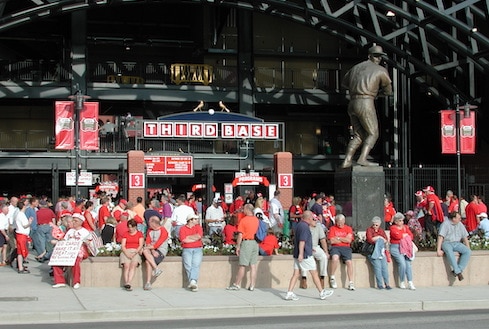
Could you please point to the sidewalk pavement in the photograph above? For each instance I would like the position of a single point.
(29, 298)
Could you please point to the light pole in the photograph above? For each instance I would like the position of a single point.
(79, 100)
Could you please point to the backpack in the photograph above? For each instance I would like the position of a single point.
(261, 232)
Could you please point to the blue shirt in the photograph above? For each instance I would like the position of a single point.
(31, 212)
(484, 225)
(303, 233)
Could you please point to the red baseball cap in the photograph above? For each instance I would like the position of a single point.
(429, 189)
(418, 193)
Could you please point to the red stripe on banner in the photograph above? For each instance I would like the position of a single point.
(64, 125)
(89, 127)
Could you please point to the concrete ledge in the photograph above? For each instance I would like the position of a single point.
(275, 272)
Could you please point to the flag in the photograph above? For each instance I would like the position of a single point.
(89, 126)
(64, 125)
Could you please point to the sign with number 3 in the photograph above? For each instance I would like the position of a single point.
(285, 181)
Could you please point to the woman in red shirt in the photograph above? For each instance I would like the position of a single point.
(230, 230)
(130, 258)
(401, 234)
(376, 235)
(191, 237)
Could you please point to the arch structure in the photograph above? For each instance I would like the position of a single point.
(442, 45)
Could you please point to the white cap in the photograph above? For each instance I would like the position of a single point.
(482, 214)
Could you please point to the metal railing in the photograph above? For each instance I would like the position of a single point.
(126, 72)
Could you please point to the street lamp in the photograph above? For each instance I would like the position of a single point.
(79, 100)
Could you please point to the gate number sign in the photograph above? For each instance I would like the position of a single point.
(285, 181)
(136, 180)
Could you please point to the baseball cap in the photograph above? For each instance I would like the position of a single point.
(409, 213)
(482, 215)
(65, 213)
(429, 189)
(123, 201)
(376, 50)
(418, 193)
(216, 200)
(192, 216)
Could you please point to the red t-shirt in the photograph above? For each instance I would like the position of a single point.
(185, 231)
(228, 233)
(335, 231)
(397, 233)
(132, 240)
(103, 214)
(269, 244)
(121, 230)
(45, 216)
(248, 225)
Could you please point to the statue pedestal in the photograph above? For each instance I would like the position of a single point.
(360, 191)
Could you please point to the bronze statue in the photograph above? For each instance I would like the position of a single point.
(366, 81)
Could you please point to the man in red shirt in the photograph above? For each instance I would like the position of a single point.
(119, 209)
(340, 237)
(434, 213)
(246, 248)
(103, 212)
(45, 217)
(471, 212)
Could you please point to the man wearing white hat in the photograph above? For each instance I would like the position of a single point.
(214, 217)
(484, 224)
(365, 81)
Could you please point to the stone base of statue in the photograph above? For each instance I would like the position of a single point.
(360, 191)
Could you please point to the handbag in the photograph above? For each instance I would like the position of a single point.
(367, 249)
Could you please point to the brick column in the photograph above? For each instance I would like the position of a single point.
(283, 165)
(135, 164)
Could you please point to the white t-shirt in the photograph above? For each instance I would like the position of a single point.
(4, 222)
(215, 213)
(181, 213)
(20, 222)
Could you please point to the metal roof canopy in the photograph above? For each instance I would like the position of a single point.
(432, 40)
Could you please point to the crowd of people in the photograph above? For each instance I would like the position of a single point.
(317, 225)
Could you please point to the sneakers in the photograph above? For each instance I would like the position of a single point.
(388, 288)
(351, 286)
(291, 296)
(193, 285)
(76, 286)
(59, 285)
(147, 286)
(332, 283)
(411, 285)
(234, 286)
(157, 272)
(402, 285)
(325, 293)
(251, 288)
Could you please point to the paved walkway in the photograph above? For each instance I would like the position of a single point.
(31, 299)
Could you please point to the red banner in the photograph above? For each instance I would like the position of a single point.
(89, 126)
(448, 134)
(64, 125)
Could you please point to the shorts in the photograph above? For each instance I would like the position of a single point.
(248, 254)
(307, 264)
(343, 252)
(3, 241)
(123, 259)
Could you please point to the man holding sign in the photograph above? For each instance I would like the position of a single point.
(70, 252)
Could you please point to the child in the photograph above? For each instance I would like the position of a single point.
(108, 232)
(269, 245)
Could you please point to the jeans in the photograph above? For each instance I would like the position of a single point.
(192, 258)
(379, 264)
(403, 264)
(44, 237)
(449, 248)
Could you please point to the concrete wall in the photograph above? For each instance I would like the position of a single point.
(275, 272)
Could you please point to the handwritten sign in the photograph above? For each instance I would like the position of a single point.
(65, 253)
